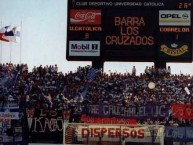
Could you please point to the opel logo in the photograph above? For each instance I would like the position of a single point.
(185, 16)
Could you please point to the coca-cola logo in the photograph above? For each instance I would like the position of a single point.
(85, 17)
(90, 16)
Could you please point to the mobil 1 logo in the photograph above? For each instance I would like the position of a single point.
(84, 48)
(94, 47)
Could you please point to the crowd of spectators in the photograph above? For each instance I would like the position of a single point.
(46, 87)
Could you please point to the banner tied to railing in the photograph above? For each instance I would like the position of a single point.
(141, 111)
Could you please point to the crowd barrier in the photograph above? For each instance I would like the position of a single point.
(172, 134)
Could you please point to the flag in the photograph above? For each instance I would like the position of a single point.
(91, 74)
(16, 79)
(10, 34)
(2, 32)
(90, 77)
(85, 90)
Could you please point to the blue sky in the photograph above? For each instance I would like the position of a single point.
(43, 41)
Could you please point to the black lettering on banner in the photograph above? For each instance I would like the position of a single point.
(94, 47)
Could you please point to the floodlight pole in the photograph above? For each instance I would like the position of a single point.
(1, 53)
(160, 64)
(98, 64)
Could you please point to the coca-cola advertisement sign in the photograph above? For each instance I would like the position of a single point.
(85, 17)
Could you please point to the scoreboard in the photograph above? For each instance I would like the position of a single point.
(126, 30)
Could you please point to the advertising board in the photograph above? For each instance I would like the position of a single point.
(131, 30)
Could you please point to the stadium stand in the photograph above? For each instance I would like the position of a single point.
(47, 88)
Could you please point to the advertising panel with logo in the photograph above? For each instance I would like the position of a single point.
(175, 31)
(84, 48)
(130, 30)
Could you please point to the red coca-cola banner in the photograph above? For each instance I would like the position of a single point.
(85, 17)
(107, 120)
(182, 111)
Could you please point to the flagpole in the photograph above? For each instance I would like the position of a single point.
(20, 40)
(1, 45)
(10, 51)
